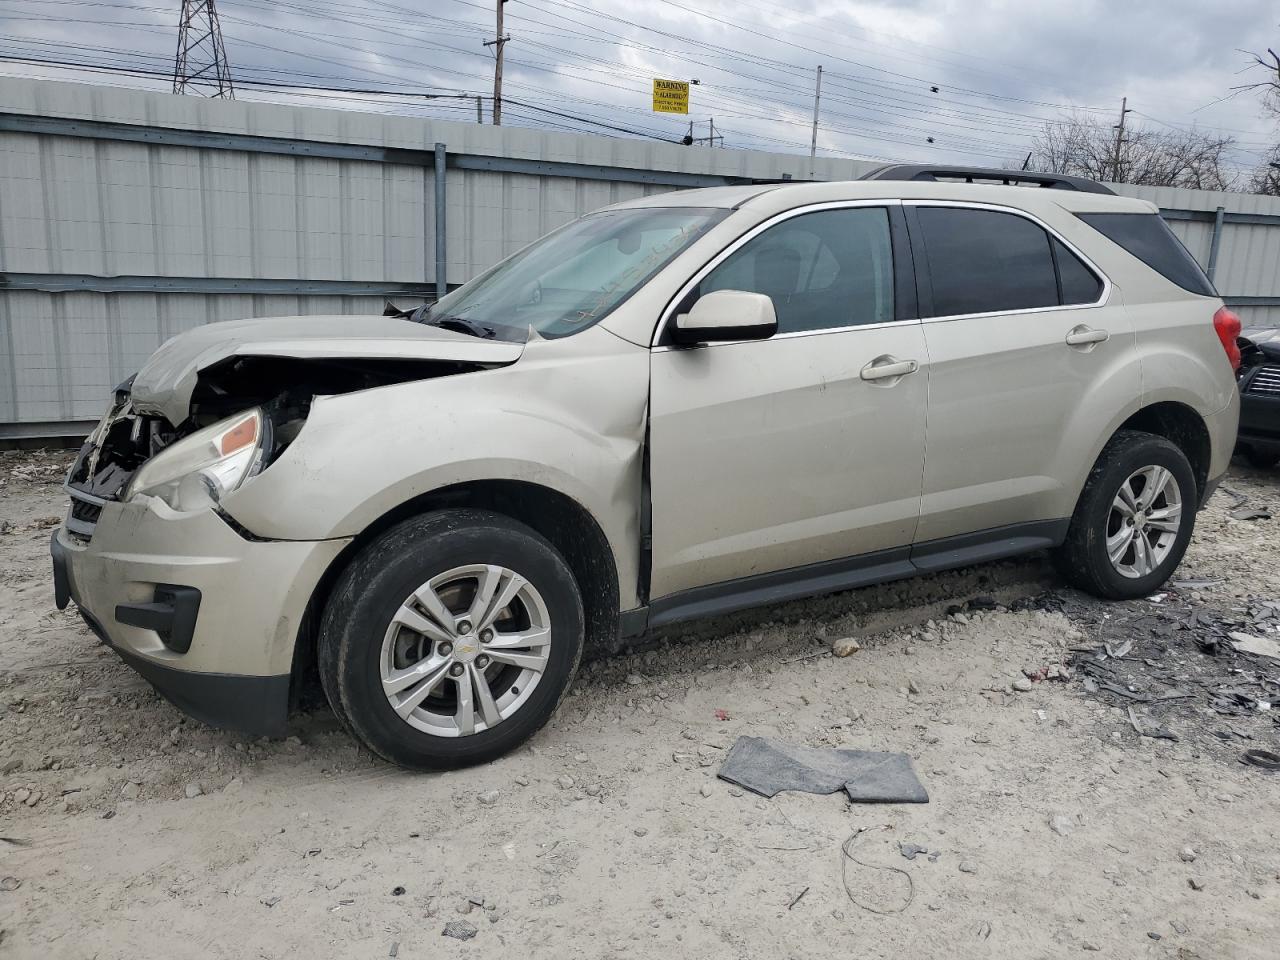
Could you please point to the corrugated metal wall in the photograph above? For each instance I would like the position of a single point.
(112, 241)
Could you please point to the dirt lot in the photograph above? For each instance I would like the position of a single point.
(1057, 828)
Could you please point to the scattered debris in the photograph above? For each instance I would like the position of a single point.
(967, 867)
(9, 884)
(1021, 685)
(767, 767)
(722, 715)
(797, 899)
(459, 930)
(1260, 646)
(397, 891)
(1195, 883)
(1188, 855)
(1264, 759)
(1250, 513)
(847, 857)
(489, 797)
(911, 850)
(269, 902)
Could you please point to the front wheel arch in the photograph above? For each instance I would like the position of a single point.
(563, 521)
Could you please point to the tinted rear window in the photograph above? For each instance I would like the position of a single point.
(1149, 238)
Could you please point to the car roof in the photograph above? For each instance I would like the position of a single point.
(767, 199)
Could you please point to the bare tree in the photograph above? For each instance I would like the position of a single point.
(1266, 178)
(1270, 86)
(1087, 147)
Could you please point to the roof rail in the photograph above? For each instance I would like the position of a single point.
(921, 171)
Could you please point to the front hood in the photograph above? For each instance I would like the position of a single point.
(165, 383)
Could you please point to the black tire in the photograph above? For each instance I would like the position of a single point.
(379, 579)
(1082, 559)
(1262, 459)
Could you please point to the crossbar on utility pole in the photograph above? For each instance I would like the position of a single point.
(498, 42)
(813, 143)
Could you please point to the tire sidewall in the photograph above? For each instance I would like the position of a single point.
(399, 563)
(1151, 451)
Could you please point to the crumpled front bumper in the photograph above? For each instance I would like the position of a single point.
(208, 616)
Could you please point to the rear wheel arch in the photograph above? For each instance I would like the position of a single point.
(557, 517)
(1182, 426)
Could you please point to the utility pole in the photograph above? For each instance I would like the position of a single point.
(813, 143)
(200, 66)
(1115, 162)
(498, 42)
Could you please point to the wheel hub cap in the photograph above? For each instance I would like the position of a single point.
(466, 650)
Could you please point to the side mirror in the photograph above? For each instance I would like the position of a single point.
(726, 315)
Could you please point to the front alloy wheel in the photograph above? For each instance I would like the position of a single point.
(465, 650)
(451, 638)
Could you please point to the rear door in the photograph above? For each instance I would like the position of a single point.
(778, 454)
(1029, 359)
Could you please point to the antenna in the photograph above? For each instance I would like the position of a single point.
(200, 67)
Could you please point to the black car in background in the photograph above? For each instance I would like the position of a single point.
(1259, 378)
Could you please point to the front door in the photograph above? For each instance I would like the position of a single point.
(776, 454)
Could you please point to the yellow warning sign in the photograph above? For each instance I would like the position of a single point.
(670, 96)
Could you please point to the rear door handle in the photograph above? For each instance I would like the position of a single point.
(1085, 335)
(887, 367)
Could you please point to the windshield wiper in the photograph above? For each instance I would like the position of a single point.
(462, 325)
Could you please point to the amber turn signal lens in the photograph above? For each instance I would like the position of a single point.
(241, 435)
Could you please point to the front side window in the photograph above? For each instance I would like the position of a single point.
(829, 268)
(575, 276)
(983, 261)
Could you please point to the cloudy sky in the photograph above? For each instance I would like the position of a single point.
(1001, 68)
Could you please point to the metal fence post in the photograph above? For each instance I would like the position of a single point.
(441, 259)
(1215, 242)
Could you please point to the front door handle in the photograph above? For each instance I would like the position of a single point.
(1086, 336)
(887, 367)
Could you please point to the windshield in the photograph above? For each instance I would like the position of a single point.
(575, 276)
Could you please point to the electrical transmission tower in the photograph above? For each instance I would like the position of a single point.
(200, 66)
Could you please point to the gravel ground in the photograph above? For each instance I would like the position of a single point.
(127, 830)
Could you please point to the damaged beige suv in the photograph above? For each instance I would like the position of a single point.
(674, 407)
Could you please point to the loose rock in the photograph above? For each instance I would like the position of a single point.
(845, 646)
(1062, 825)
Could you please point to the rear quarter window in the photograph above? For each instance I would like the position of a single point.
(1148, 237)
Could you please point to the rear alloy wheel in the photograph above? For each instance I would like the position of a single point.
(451, 639)
(1143, 524)
(1133, 520)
